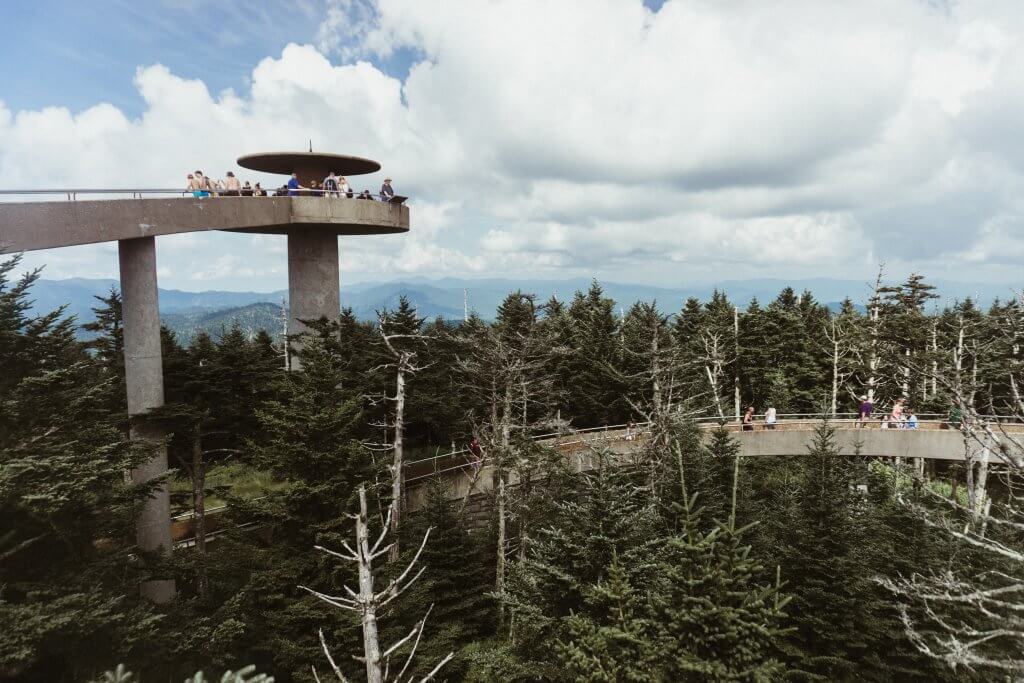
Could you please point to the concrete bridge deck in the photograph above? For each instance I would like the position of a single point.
(932, 440)
(29, 226)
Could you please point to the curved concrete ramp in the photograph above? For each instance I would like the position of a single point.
(45, 225)
(933, 441)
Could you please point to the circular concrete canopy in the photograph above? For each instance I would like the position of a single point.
(308, 165)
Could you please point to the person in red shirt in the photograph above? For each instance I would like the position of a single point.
(476, 453)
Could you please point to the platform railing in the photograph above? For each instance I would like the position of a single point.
(71, 194)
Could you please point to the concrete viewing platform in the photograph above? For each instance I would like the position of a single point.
(311, 223)
(30, 226)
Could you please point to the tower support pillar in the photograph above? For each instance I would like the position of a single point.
(144, 380)
(313, 279)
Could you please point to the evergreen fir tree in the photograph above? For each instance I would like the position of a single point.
(68, 586)
(717, 618)
(458, 575)
(825, 567)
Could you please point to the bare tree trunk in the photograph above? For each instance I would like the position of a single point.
(397, 465)
(935, 360)
(501, 502)
(980, 494)
(713, 381)
(873, 346)
(906, 373)
(499, 580)
(655, 370)
(974, 380)
(736, 361)
(835, 369)
(371, 644)
(199, 510)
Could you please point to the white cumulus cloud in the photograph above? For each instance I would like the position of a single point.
(599, 137)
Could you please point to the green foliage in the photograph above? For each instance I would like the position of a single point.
(625, 598)
(244, 675)
(647, 568)
(455, 584)
(67, 586)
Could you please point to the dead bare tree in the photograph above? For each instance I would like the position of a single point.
(367, 602)
(737, 408)
(402, 347)
(868, 350)
(502, 366)
(663, 377)
(840, 347)
(967, 618)
(715, 362)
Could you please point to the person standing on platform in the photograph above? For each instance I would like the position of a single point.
(204, 184)
(344, 188)
(476, 454)
(864, 412)
(386, 192)
(748, 419)
(770, 417)
(232, 188)
(331, 185)
(193, 186)
(911, 419)
(896, 416)
(293, 186)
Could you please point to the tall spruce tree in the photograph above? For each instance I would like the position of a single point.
(68, 585)
(825, 565)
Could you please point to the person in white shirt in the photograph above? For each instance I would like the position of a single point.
(770, 417)
(344, 188)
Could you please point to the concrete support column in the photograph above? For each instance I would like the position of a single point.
(313, 279)
(144, 377)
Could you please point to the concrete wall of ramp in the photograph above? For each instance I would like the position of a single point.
(930, 444)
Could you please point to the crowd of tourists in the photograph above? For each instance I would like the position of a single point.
(334, 185)
(900, 417)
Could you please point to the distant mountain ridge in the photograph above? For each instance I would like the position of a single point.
(210, 310)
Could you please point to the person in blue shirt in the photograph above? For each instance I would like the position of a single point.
(293, 186)
(911, 419)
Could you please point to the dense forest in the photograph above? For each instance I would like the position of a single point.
(683, 562)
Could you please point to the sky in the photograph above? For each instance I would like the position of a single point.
(652, 142)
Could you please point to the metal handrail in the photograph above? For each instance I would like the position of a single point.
(138, 193)
(98, 190)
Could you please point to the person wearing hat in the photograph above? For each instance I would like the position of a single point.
(386, 193)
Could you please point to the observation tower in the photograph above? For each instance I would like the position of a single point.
(312, 225)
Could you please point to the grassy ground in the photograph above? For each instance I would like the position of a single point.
(237, 478)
